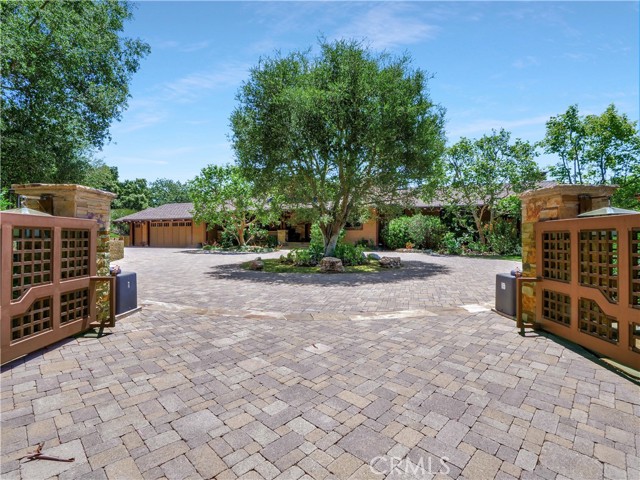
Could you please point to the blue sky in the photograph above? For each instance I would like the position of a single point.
(495, 64)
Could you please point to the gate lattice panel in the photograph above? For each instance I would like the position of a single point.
(48, 265)
(588, 286)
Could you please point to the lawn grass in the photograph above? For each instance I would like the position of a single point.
(275, 266)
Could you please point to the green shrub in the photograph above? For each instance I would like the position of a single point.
(422, 231)
(396, 233)
(301, 257)
(426, 231)
(504, 239)
(272, 241)
(227, 240)
(451, 244)
(350, 254)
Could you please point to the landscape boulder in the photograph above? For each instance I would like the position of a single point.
(256, 264)
(373, 256)
(390, 262)
(331, 265)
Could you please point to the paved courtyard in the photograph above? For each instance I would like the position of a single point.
(234, 374)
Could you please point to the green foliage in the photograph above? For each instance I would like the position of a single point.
(452, 244)
(5, 203)
(481, 172)
(278, 266)
(510, 206)
(504, 239)
(132, 194)
(101, 176)
(117, 213)
(628, 195)
(596, 149)
(396, 233)
(66, 68)
(337, 132)
(426, 232)
(422, 231)
(163, 191)
(350, 254)
(224, 196)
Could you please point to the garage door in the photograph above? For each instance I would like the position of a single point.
(171, 234)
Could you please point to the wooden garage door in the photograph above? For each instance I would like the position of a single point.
(171, 234)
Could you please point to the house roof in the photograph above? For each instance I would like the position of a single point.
(168, 211)
(183, 211)
(436, 202)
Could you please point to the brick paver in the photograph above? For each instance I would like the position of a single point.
(260, 388)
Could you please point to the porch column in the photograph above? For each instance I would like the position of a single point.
(552, 203)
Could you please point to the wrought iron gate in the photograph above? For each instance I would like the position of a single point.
(588, 283)
(48, 272)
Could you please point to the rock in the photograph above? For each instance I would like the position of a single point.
(256, 264)
(390, 262)
(331, 265)
(373, 256)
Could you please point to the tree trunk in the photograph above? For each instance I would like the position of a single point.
(478, 219)
(241, 234)
(330, 236)
(330, 246)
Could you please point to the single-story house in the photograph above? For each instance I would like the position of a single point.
(172, 225)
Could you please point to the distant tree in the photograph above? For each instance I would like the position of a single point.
(163, 191)
(133, 195)
(613, 146)
(66, 69)
(628, 195)
(223, 196)
(596, 149)
(566, 137)
(101, 176)
(482, 172)
(339, 131)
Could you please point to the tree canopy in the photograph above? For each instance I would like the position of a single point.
(482, 172)
(223, 196)
(596, 149)
(337, 131)
(164, 190)
(66, 69)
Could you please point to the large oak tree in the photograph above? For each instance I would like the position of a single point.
(66, 68)
(339, 131)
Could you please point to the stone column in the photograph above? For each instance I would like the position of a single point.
(69, 200)
(553, 203)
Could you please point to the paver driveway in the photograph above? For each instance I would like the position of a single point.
(307, 387)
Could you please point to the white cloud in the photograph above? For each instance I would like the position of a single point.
(190, 87)
(486, 125)
(524, 62)
(389, 25)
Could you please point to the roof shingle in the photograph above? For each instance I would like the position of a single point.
(169, 211)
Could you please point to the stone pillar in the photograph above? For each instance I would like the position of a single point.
(553, 203)
(69, 200)
(282, 237)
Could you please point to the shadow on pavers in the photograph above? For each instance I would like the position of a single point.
(583, 352)
(410, 270)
